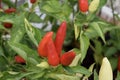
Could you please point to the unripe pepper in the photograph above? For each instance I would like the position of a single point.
(67, 58)
(33, 1)
(93, 6)
(10, 10)
(83, 5)
(7, 24)
(42, 48)
(60, 37)
(43, 64)
(53, 58)
(19, 59)
(105, 72)
(118, 64)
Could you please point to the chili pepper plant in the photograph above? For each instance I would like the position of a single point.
(77, 46)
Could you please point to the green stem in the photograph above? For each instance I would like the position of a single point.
(92, 48)
(112, 11)
(16, 3)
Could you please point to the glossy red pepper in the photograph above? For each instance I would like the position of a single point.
(118, 64)
(7, 24)
(33, 1)
(53, 58)
(19, 59)
(42, 49)
(10, 10)
(67, 58)
(60, 37)
(83, 5)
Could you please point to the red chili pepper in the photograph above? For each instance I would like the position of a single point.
(42, 49)
(53, 58)
(83, 5)
(60, 37)
(67, 58)
(19, 59)
(7, 24)
(33, 1)
(10, 10)
(119, 63)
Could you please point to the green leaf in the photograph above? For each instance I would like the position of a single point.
(1, 51)
(17, 34)
(110, 51)
(66, 77)
(25, 52)
(30, 32)
(18, 50)
(91, 67)
(31, 36)
(38, 34)
(62, 77)
(18, 29)
(60, 11)
(84, 45)
(7, 18)
(37, 75)
(113, 62)
(102, 3)
(32, 60)
(3, 64)
(91, 33)
(78, 69)
(1, 74)
(1, 27)
(98, 46)
(98, 30)
(95, 75)
(8, 76)
(91, 70)
(80, 19)
(33, 17)
(76, 60)
(50, 6)
(118, 76)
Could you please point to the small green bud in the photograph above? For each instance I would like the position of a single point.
(43, 64)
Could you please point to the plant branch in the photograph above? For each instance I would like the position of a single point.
(112, 11)
(16, 3)
(92, 48)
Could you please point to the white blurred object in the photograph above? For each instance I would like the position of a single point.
(116, 5)
(106, 13)
(6, 37)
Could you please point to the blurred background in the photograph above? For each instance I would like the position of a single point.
(111, 8)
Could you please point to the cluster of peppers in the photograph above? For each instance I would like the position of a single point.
(84, 6)
(52, 49)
